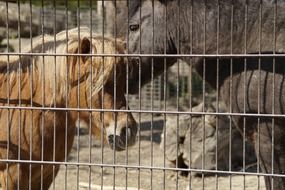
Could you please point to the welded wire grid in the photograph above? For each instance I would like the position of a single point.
(175, 94)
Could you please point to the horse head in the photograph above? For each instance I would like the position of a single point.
(145, 36)
(104, 81)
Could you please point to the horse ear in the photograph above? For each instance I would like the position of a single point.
(162, 1)
(85, 48)
(165, 1)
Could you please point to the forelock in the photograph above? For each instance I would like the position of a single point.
(134, 6)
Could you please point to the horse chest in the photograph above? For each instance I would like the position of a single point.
(36, 132)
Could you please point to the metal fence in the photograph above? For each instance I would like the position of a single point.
(142, 94)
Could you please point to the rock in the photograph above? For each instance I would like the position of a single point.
(24, 22)
(202, 144)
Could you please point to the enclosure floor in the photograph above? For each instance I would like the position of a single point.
(134, 179)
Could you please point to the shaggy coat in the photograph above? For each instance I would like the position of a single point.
(247, 85)
(39, 83)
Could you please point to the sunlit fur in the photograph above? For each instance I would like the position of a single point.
(62, 82)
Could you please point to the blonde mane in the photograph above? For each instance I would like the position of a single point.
(57, 72)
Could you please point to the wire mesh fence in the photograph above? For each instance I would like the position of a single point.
(142, 94)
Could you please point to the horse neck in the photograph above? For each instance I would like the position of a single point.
(179, 34)
(23, 85)
(195, 25)
(212, 29)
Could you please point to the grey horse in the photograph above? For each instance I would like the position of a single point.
(251, 85)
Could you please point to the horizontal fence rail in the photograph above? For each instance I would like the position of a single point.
(142, 94)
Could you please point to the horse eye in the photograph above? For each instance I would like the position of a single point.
(134, 27)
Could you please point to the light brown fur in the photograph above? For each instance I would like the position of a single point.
(55, 82)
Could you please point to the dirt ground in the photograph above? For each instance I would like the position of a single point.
(145, 153)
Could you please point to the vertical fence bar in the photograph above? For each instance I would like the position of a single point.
(244, 86)
(259, 88)
(78, 93)
(217, 90)
(231, 91)
(90, 95)
(191, 92)
(164, 96)
(127, 92)
(19, 92)
(139, 92)
(102, 100)
(66, 101)
(43, 93)
(115, 114)
(54, 169)
(152, 94)
(8, 92)
(31, 92)
(177, 91)
(273, 85)
(204, 89)
(140, 96)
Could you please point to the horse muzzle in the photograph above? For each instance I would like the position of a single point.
(122, 136)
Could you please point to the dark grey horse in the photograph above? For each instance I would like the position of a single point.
(247, 85)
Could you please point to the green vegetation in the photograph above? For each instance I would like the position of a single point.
(197, 86)
(71, 4)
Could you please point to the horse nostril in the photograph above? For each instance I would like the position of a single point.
(111, 139)
(134, 27)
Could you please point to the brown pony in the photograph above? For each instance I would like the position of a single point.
(46, 81)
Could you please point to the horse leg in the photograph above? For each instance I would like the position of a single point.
(263, 148)
(49, 178)
(6, 180)
(46, 180)
(13, 176)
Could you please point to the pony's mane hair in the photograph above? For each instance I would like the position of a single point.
(56, 67)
